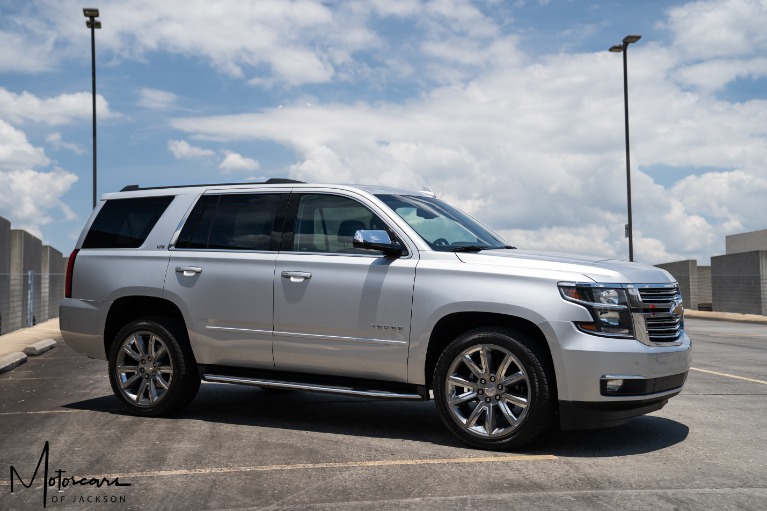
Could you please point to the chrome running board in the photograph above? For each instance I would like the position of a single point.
(313, 387)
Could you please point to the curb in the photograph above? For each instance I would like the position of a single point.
(12, 361)
(40, 347)
(15, 359)
(726, 316)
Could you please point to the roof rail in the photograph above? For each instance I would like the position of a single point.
(271, 181)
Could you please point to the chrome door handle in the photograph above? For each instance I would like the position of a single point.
(188, 271)
(296, 276)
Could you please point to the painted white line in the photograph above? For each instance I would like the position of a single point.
(42, 411)
(729, 375)
(305, 466)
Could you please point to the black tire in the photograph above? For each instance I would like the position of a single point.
(494, 390)
(151, 367)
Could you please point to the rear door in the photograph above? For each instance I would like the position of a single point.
(221, 273)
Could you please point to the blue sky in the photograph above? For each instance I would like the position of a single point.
(512, 110)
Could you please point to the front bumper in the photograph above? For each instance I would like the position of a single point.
(587, 415)
(584, 363)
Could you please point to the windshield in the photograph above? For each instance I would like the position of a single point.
(442, 226)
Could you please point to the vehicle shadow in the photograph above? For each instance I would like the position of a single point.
(414, 421)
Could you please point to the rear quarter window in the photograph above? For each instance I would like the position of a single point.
(126, 223)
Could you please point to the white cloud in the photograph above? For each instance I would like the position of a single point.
(300, 41)
(156, 99)
(710, 28)
(274, 42)
(58, 110)
(29, 195)
(231, 162)
(16, 152)
(32, 195)
(56, 141)
(234, 162)
(713, 75)
(588, 240)
(718, 42)
(37, 49)
(736, 199)
(182, 149)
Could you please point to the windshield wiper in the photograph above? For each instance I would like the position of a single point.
(477, 248)
(468, 248)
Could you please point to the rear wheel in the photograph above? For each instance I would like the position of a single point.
(493, 390)
(151, 367)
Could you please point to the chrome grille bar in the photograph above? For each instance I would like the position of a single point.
(665, 325)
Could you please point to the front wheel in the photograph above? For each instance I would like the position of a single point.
(151, 368)
(492, 389)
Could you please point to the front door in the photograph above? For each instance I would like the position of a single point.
(340, 310)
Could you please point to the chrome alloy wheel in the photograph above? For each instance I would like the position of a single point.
(144, 368)
(488, 391)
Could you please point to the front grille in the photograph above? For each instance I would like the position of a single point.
(663, 321)
(664, 329)
(659, 295)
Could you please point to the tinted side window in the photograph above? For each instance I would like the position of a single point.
(327, 223)
(232, 222)
(125, 223)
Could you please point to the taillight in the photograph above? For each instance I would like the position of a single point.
(70, 267)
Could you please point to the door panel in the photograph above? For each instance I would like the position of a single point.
(222, 275)
(339, 310)
(228, 305)
(351, 317)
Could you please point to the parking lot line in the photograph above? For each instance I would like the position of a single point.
(729, 375)
(347, 464)
(36, 412)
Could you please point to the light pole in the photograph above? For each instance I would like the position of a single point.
(622, 48)
(93, 24)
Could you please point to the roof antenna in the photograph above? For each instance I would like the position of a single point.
(429, 191)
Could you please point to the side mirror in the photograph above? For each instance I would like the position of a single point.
(377, 240)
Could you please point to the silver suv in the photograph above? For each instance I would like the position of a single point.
(366, 291)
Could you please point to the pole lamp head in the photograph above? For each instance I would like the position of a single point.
(620, 48)
(91, 14)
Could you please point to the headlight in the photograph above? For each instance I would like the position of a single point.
(609, 306)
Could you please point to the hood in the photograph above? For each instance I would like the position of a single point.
(592, 268)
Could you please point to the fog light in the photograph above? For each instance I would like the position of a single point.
(614, 386)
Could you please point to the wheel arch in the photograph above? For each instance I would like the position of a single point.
(453, 325)
(130, 308)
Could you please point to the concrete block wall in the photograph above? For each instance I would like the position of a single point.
(746, 242)
(686, 274)
(52, 282)
(31, 279)
(704, 288)
(5, 274)
(739, 282)
(26, 263)
(735, 282)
